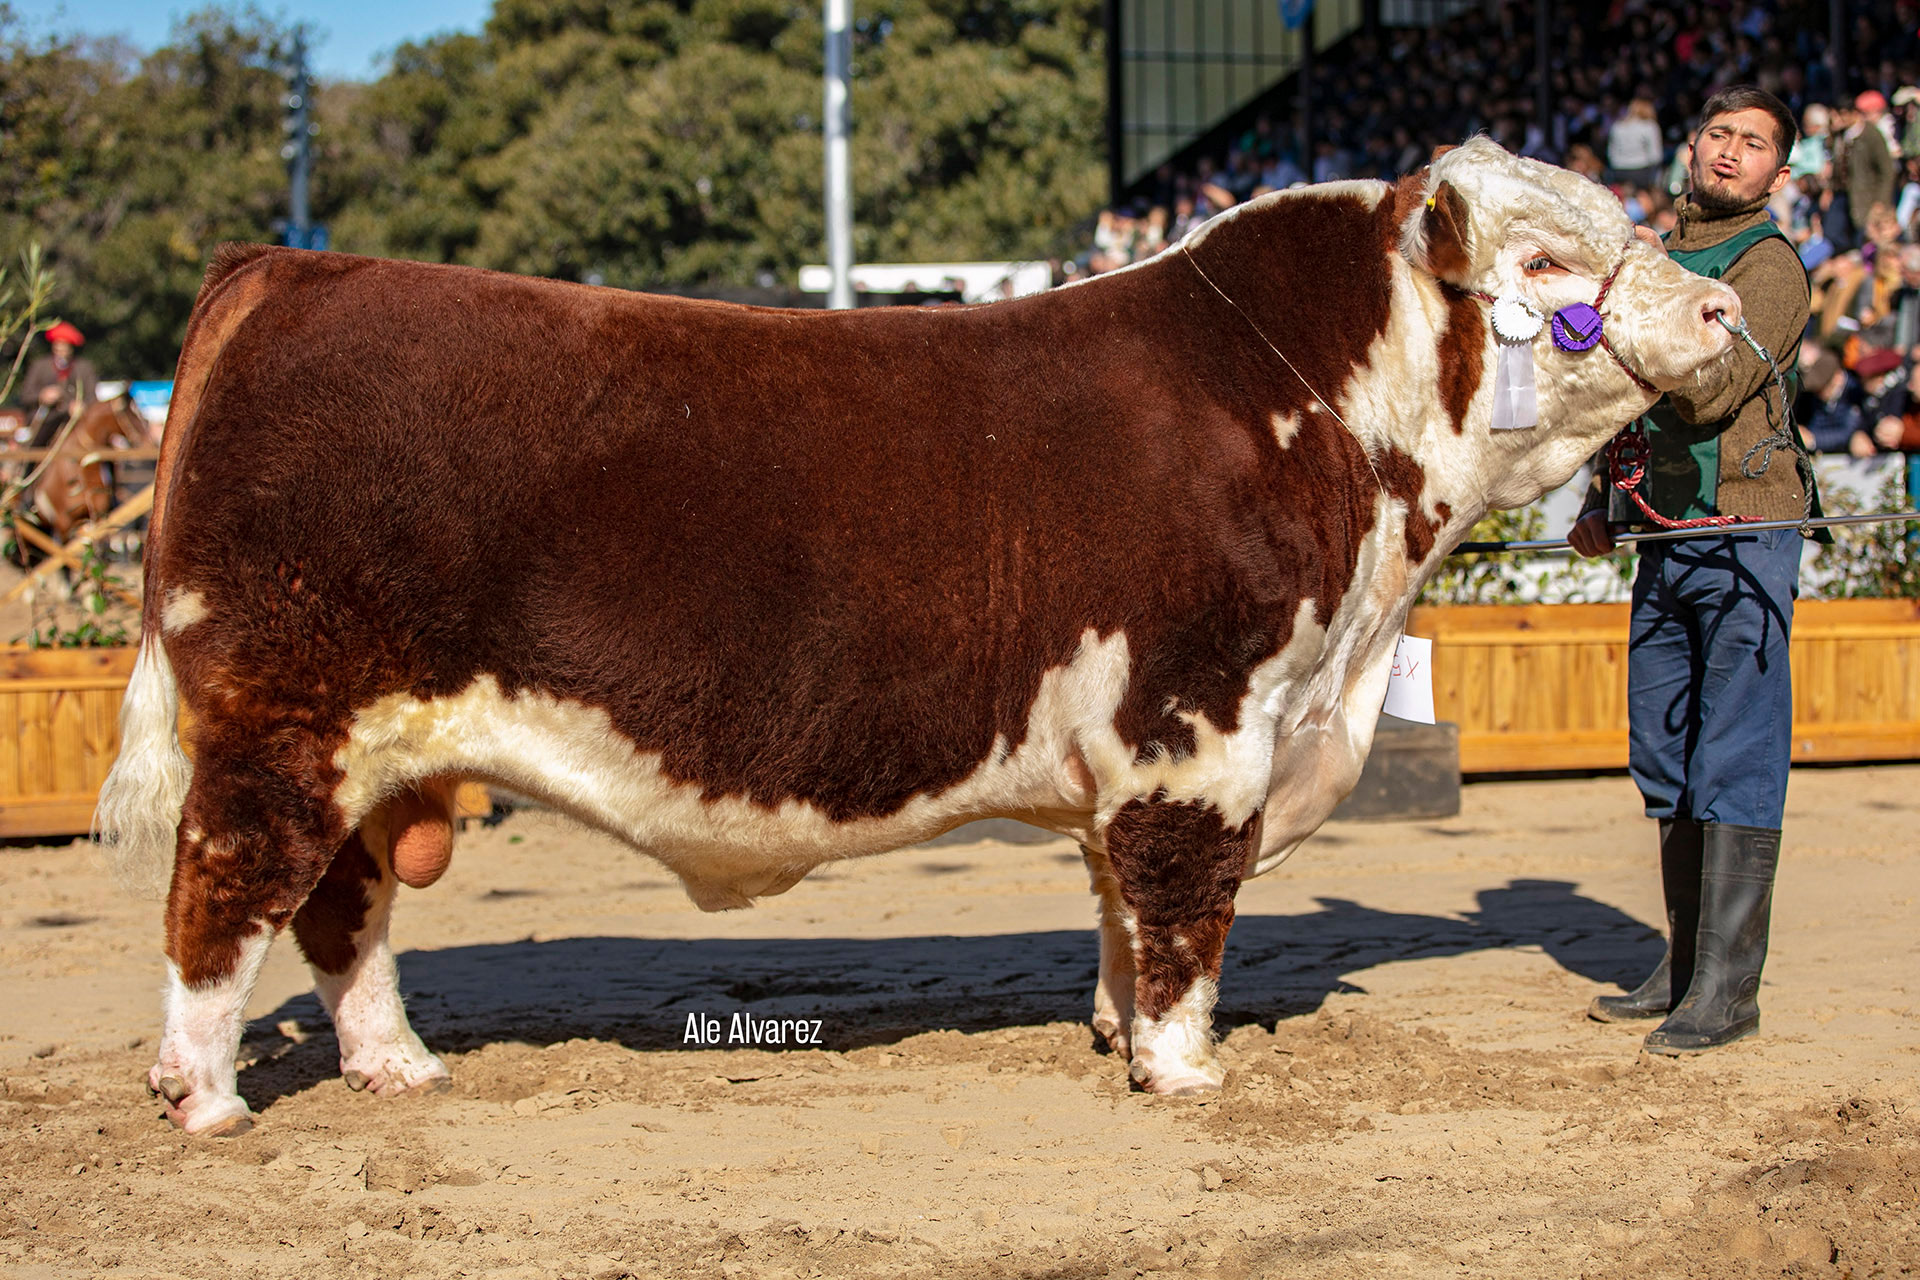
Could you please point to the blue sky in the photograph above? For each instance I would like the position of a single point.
(353, 35)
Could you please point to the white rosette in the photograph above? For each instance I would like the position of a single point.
(1515, 321)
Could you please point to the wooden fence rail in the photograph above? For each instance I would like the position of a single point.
(1544, 687)
(63, 710)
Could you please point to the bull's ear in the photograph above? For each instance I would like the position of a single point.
(1441, 150)
(1439, 236)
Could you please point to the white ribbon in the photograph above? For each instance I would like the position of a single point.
(1514, 405)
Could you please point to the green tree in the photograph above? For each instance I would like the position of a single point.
(131, 170)
(635, 142)
(679, 144)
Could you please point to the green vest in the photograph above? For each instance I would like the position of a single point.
(1683, 473)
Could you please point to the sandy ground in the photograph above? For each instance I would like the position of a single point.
(1414, 1090)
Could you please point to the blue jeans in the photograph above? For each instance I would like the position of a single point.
(1709, 687)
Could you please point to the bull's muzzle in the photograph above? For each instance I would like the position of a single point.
(1721, 310)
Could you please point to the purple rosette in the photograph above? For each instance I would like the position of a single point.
(1576, 328)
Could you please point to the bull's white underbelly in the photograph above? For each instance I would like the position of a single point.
(1070, 774)
(730, 849)
(727, 849)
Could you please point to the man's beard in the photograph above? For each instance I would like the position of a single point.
(1718, 200)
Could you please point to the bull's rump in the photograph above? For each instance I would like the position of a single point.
(799, 556)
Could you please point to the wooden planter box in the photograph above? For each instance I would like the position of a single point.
(1543, 687)
(64, 709)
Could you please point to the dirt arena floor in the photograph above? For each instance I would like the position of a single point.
(1414, 1089)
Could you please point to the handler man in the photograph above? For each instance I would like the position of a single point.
(1709, 692)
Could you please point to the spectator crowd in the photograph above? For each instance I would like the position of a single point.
(1627, 83)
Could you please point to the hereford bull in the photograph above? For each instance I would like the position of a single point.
(769, 588)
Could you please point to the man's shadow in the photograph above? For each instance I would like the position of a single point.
(866, 991)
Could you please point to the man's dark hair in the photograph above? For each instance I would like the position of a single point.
(1745, 97)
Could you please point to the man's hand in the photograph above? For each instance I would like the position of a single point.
(1589, 536)
(1647, 235)
(1861, 445)
(50, 394)
(1887, 432)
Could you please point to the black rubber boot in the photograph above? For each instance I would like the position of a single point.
(1722, 1003)
(1680, 882)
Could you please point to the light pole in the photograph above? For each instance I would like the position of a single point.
(298, 149)
(838, 186)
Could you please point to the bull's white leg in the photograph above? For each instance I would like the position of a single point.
(379, 1049)
(1174, 1053)
(359, 983)
(195, 1073)
(1113, 993)
(1177, 866)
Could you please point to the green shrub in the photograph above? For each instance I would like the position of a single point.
(1868, 560)
(1507, 578)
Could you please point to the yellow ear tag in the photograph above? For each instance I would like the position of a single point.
(1430, 201)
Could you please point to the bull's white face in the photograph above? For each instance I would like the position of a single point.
(1551, 238)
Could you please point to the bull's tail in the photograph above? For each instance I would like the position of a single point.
(139, 809)
(138, 813)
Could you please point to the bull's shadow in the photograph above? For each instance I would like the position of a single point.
(868, 991)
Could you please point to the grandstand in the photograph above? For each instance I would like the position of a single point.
(1199, 88)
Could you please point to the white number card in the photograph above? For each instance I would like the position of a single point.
(1410, 686)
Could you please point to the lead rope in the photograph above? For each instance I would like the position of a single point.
(1628, 454)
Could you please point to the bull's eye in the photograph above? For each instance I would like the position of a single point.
(1543, 263)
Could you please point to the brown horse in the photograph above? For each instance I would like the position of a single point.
(70, 492)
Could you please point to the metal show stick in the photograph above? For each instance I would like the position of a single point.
(1665, 535)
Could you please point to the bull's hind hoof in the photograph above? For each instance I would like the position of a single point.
(209, 1115)
(399, 1076)
(420, 1088)
(231, 1126)
(202, 1114)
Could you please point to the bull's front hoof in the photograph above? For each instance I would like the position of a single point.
(1114, 1032)
(1178, 1082)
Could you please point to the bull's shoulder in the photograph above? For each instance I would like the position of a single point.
(229, 258)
